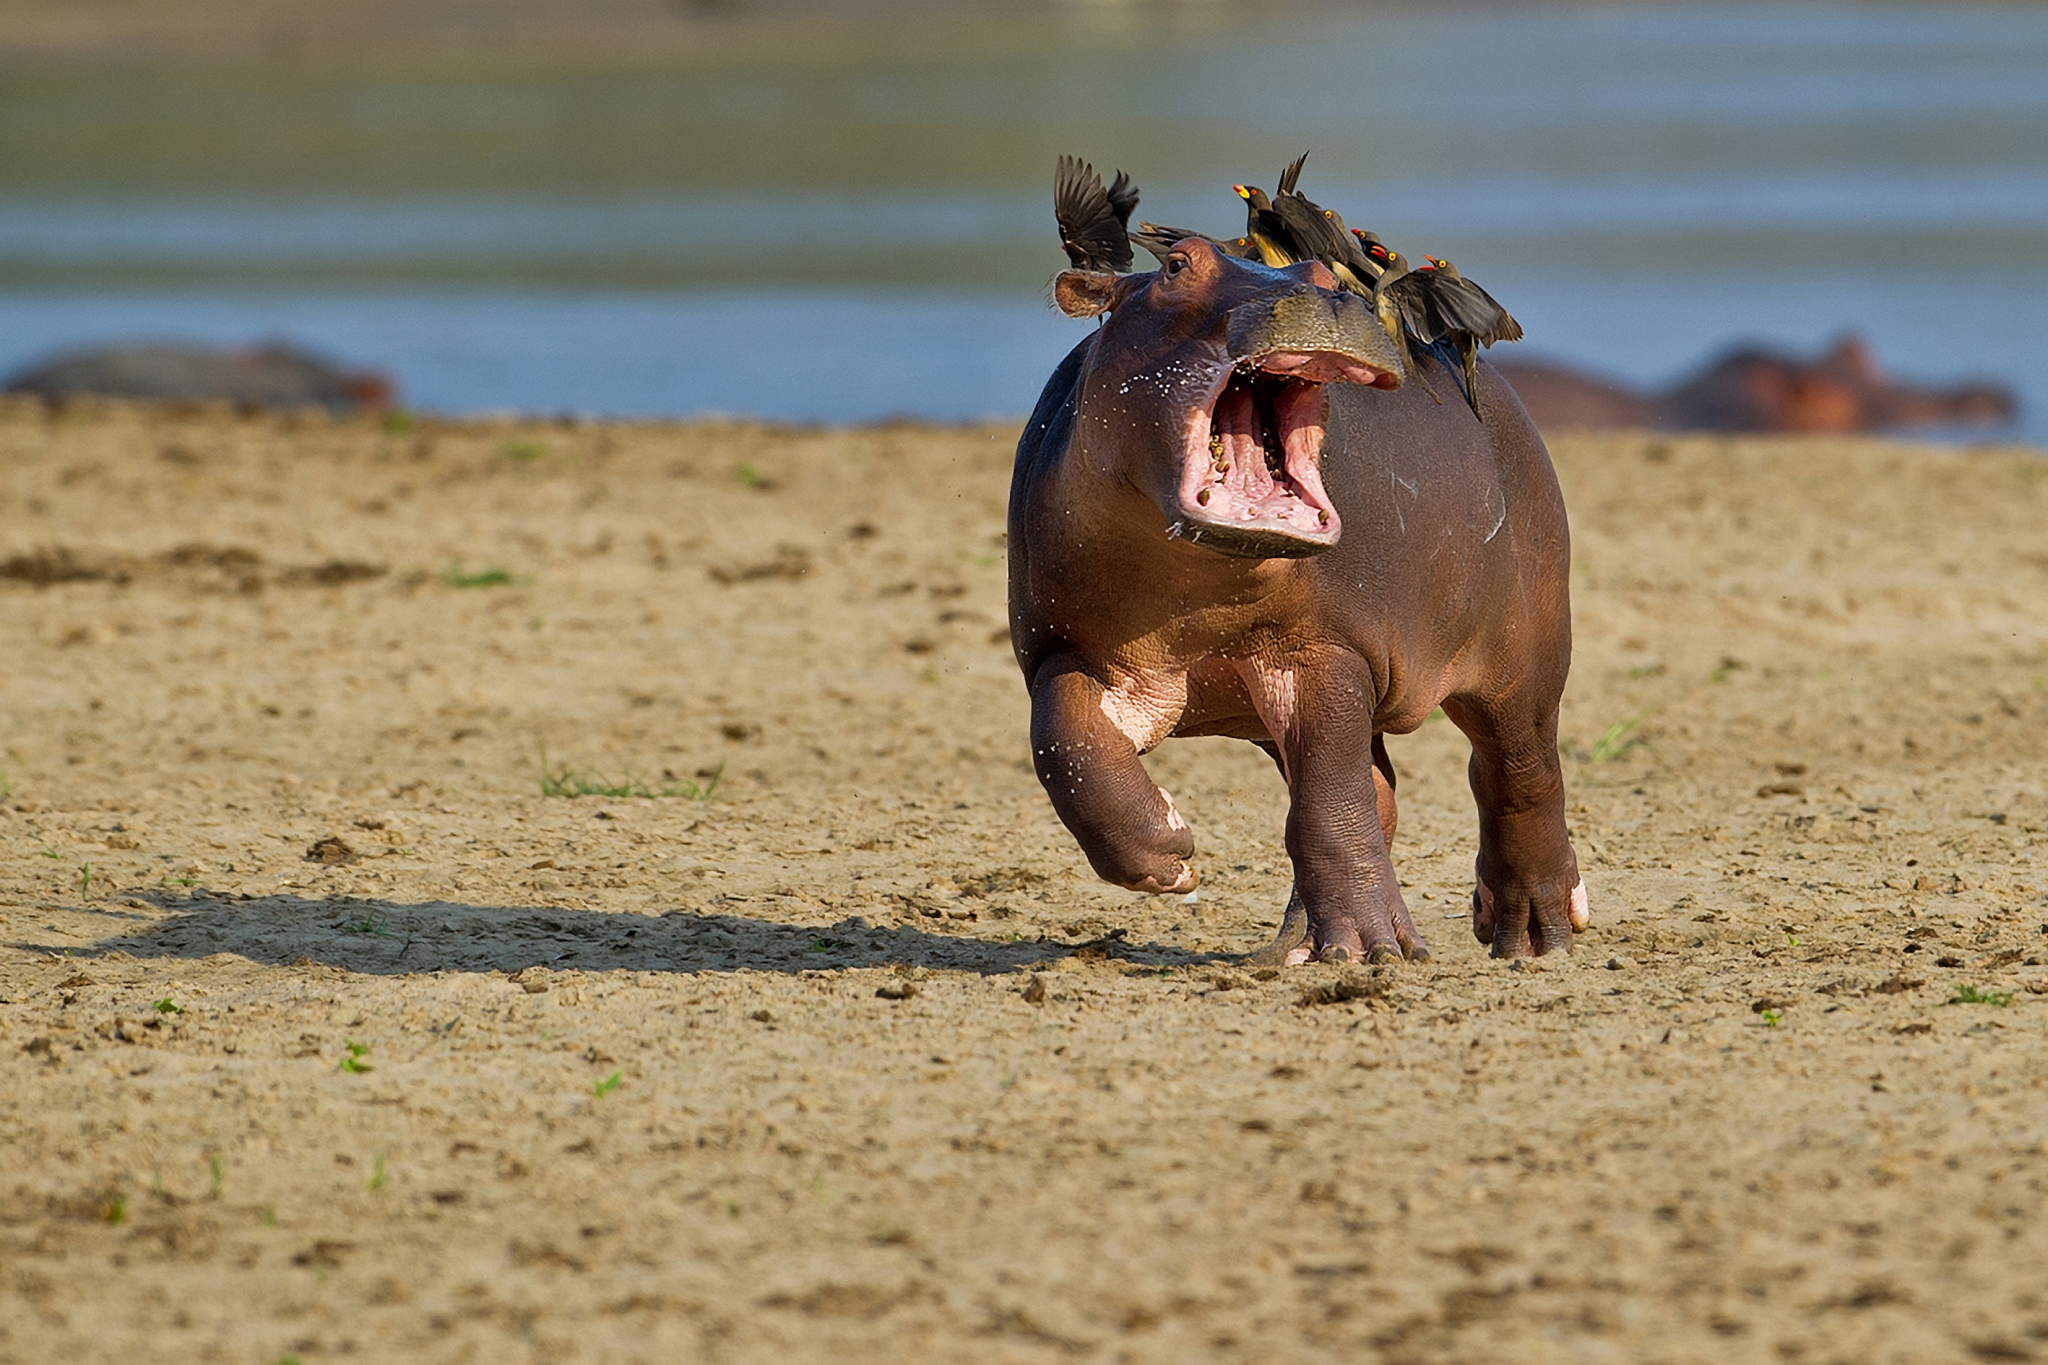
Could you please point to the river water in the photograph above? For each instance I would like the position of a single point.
(826, 236)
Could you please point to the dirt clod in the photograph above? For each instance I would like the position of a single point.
(332, 850)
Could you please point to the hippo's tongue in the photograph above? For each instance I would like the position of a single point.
(1253, 472)
(1244, 444)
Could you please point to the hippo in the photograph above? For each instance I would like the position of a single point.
(1229, 515)
(1753, 388)
(275, 375)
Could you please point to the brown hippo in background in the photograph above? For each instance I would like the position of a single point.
(1229, 517)
(1752, 389)
(269, 376)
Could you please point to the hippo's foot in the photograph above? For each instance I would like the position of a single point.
(1364, 936)
(1531, 921)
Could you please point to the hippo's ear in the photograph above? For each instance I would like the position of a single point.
(1085, 293)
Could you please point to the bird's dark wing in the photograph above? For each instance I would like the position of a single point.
(1123, 198)
(1159, 240)
(1463, 306)
(1312, 231)
(1090, 232)
(1412, 294)
(1290, 177)
(1353, 251)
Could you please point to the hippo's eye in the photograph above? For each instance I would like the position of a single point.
(1176, 264)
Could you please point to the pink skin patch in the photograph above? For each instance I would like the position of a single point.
(1253, 459)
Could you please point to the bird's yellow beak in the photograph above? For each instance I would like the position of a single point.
(1242, 192)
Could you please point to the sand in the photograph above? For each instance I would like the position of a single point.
(327, 1033)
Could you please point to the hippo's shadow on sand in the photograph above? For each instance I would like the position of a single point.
(391, 938)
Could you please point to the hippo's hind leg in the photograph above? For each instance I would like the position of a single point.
(1124, 823)
(1293, 943)
(1528, 897)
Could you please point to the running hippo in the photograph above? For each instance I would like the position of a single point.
(1230, 517)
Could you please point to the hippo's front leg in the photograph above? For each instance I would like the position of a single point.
(1124, 823)
(1337, 831)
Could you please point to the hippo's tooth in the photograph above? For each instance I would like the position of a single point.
(1203, 497)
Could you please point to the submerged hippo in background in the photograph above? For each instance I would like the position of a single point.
(269, 376)
(1755, 389)
(1229, 517)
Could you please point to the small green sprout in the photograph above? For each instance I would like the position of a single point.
(567, 781)
(753, 478)
(84, 880)
(378, 1176)
(354, 1063)
(115, 1209)
(1616, 740)
(1791, 940)
(49, 853)
(526, 451)
(218, 1169)
(455, 576)
(168, 1006)
(1771, 1017)
(1971, 995)
(398, 421)
(608, 1084)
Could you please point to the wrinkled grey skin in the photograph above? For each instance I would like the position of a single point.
(1443, 584)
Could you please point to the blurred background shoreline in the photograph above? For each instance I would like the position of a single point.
(825, 212)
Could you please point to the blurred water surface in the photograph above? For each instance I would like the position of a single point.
(835, 235)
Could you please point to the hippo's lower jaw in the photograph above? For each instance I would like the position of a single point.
(1251, 481)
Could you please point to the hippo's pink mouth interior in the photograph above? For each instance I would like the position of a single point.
(1252, 470)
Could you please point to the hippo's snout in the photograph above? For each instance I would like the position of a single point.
(1316, 335)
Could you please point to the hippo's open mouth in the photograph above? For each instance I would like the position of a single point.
(1251, 480)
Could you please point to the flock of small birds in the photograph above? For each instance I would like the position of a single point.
(1428, 304)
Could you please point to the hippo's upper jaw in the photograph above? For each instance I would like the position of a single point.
(1251, 481)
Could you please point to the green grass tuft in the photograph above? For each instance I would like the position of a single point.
(455, 576)
(608, 1084)
(1971, 995)
(569, 782)
(378, 1177)
(354, 1063)
(1616, 740)
(525, 450)
(168, 1006)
